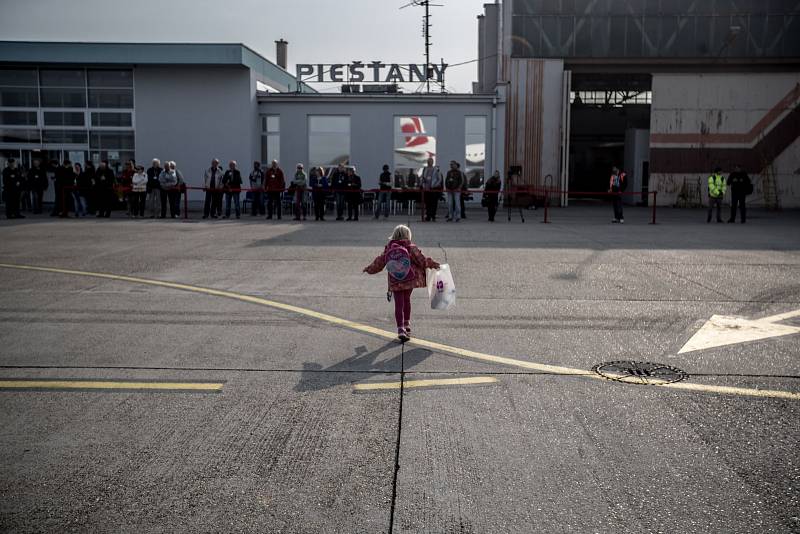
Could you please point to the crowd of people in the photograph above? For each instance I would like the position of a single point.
(343, 186)
(155, 192)
(84, 190)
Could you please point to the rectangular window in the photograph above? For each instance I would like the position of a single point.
(270, 138)
(414, 141)
(18, 88)
(72, 137)
(328, 140)
(64, 118)
(111, 141)
(111, 98)
(110, 78)
(474, 150)
(63, 97)
(18, 118)
(111, 119)
(9, 135)
(19, 97)
(18, 77)
(62, 78)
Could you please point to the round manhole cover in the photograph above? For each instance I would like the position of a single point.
(644, 373)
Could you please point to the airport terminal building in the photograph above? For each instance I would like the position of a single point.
(194, 102)
(564, 90)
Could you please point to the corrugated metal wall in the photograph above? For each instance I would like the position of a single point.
(524, 118)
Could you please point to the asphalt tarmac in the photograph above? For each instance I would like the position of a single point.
(240, 376)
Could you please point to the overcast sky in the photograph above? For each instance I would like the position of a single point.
(318, 31)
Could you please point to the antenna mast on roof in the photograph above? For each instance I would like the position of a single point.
(426, 33)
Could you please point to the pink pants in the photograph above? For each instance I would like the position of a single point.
(402, 308)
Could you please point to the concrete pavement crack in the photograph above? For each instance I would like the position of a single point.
(397, 446)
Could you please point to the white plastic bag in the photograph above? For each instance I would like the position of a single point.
(441, 287)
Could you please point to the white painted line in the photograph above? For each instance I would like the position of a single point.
(723, 330)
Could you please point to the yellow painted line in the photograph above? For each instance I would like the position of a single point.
(108, 384)
(553, 369)
(440, 347)
(426, 383)
(707, 388)
(728, 390)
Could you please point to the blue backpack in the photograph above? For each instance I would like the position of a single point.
(398, 263)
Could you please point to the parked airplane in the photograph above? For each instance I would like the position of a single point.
(420, 146)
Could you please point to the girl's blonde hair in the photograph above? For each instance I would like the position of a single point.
(401, 231)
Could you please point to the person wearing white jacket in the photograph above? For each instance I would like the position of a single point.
(138, 192)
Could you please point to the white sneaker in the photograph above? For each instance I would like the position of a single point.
(622, 221)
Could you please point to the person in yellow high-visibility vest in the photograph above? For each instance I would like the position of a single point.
(716, 191)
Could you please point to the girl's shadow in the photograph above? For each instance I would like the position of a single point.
(360, 366)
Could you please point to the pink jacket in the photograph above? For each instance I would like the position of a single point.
(418, 265)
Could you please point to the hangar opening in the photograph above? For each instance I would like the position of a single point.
(609, 126)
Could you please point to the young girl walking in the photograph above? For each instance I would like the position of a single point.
(405, 265)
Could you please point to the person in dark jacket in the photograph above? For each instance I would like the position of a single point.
(232, 184)
(319, 191)
(257, 190)
(275, 185)
(353, 187)
(431, 185)
(64, 182)
(453, 182)
(491, 194)
(153, 188)
(37, 183)
(338, 181)
(384, 193)
(13, 183)
(78, 199)
(25, 192)
(104, 189)
(212, 183)
(741, 186)
(617, 185)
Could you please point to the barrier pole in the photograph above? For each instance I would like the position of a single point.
(185, 203)
(653, 221)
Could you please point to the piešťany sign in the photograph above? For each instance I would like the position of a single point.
(375, 71)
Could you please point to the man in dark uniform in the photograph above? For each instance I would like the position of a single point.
(353, 186)
(104, 182)
(741, 186)
(37, 183)
(13, 182)
(339, 184)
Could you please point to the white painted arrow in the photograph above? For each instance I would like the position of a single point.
(723, 330)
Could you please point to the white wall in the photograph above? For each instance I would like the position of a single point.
(372, 129)
(637, 151)
(193, 114)
(552, 100)
(725, 117)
